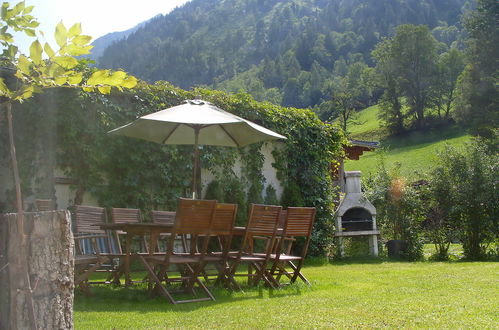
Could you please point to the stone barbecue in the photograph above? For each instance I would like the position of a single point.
(356, 216)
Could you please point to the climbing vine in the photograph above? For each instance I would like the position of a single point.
(125, 172)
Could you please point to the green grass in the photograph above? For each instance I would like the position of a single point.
(368, 127)
(415, 151)
(343, 295)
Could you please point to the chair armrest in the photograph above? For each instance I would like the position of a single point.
(261, 237)
(76, 236)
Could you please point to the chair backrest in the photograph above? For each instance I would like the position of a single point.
(45, 205)
(87, 219)
(299, 221)
(125, 215)
(224, 219)
(282, 218)
(263, 219)
(163, 217)
(194, 216)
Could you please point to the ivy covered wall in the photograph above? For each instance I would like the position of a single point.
(125, 172)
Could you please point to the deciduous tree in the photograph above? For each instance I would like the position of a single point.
(478, 93)
(23, 75)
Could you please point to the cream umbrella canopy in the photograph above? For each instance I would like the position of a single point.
(196, 122)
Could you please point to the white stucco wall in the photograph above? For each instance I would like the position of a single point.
(65, 195)
(269, 172)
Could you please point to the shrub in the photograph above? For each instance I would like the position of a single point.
(465, 186)
(399, 209)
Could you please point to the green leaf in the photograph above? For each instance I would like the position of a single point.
(12, 50)
(4, 90)
(35, 52)
(24, 93)
(104, 89)
(54, 70)
(7, 37)
(61, 34)
(129, 82)
(61, 80)
(116, 78)
(75, 50)
(33, 23)
(74, 30)
(18, 8)
(81, 40)
(98, 77)
(30, 32)
(28, 10)
(75, 79)
(48, 50)
(88, 89)
(3, 13)
(23, 64)
(67, 62)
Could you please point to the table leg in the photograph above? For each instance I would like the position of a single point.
(128, 280)
(154, 242)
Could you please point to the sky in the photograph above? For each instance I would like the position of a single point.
(97, 17)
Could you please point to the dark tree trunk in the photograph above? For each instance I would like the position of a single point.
(45, 142)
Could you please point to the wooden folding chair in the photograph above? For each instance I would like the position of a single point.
(262, 222)
(222, 227)
(128, 215)
(299, 222)
(87, 263)
(167, 217)
(87, 221)
(194, 218)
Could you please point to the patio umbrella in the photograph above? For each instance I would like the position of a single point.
(196, 122)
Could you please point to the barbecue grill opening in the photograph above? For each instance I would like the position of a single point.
(357, 219)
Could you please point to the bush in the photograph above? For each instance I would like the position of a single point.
(399, 209)
(464, 187)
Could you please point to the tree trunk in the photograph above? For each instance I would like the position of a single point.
(19, 262)
(45, 158)
(51, 266)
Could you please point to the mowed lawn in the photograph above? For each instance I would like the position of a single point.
(343, 295)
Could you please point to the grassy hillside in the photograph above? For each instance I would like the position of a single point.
(415, 151)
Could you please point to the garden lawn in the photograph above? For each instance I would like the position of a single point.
(343, 295)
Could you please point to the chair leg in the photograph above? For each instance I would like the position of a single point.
(153, 276)
(298, 273)
(250, 274)
(262, 274)
(88, 272)
(231, 272)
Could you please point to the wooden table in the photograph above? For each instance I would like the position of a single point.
(138, 229)
(153, 230)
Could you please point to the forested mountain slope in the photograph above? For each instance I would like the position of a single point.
(288, 52)
(100, 44)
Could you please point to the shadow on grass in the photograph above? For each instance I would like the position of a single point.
(109, 298)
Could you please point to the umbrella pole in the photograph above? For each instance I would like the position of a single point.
(196, 162)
